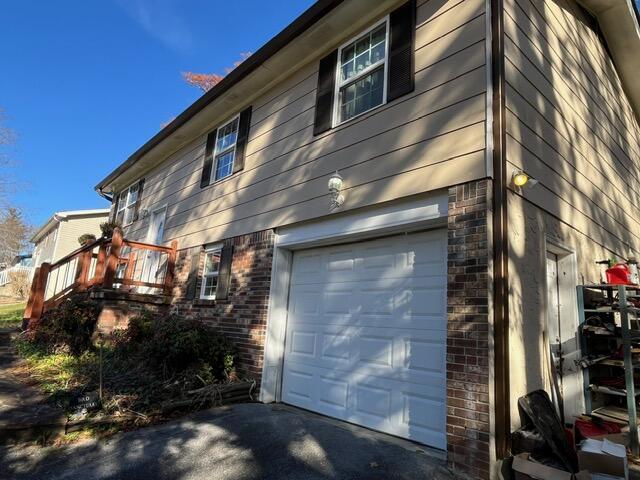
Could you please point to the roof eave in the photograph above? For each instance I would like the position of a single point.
(293, 30)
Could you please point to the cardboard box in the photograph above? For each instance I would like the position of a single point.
(525, 469)
(603, 457)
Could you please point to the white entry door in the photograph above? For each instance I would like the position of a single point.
(562, 326)
(366, 334)
(155, 236)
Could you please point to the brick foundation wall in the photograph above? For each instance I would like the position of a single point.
(242, 317)
(468, 427)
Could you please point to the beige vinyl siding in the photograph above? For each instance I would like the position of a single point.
(71, 228)
(429, 139)
(569, 125)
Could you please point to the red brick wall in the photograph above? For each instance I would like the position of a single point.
(468, 329)
(243, 316)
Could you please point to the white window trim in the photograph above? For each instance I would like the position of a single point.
(124, 209)
(207, 250)
(336, 120)
(215, 153)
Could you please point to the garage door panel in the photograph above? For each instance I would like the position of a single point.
(419, 296)
(413, 411)
(366, 334)
(416, 356)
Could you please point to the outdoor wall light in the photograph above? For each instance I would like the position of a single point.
(335, 185)
(522, 180)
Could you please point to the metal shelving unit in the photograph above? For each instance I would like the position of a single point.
(625, 317)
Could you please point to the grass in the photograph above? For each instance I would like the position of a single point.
(57, 373)
(11, 315)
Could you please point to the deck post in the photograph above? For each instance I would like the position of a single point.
(131, 263)
(37, 306)
(171, 266)
(82, 273)
(113, 258)
(26, 316)
(100, 263)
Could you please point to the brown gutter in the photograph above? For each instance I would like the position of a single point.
(500, 238)
(299, 26)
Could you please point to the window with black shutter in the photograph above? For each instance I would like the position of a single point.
(128, 204)
(225, 151)
(371, 69)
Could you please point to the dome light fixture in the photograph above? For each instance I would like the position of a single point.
(521, 180)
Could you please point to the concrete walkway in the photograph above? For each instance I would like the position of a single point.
(20, 404)
(240, 442)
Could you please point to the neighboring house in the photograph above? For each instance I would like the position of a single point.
(417, 305)
(22, 266)
(59, 235)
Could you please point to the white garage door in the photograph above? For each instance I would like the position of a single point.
(366, 334)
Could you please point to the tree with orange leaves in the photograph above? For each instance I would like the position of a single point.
(206, 81)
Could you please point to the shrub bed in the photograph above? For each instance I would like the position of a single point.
(153, 361)
(67, 327)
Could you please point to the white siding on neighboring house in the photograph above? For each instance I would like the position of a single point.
(70, 229)
(64, 230)
(45, 248)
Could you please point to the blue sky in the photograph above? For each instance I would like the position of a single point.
(85, 82)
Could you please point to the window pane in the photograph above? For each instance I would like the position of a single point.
(348, 53)
(362, 95)
(210, 284)
(362, 62)
(367, 51)
(128, 215)
(377, 53)
(227, 136)
(133, 194)
(363, 45)
(212, 262)
(119, 217)
(379, 34)
(224, 165)
(348, 70)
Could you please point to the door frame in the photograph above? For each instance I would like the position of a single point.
(566, 256)
(427, 212)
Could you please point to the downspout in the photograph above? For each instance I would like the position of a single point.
(500, 237)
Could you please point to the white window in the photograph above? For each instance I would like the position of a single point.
(225, 149)
(361, 78)
(210, 272)
(127, 205)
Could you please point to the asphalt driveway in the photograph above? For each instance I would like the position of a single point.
(247, 441)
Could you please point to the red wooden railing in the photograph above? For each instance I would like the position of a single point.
(114, 263)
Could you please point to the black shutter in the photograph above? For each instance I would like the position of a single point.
(324, 93)
(136, 209)
(208, 160)
(192, 282)
(224, 274)
(243, 137)
(402, 25)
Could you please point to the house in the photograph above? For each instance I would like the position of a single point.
(15, 277)
(59, 235)
(389, 205)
